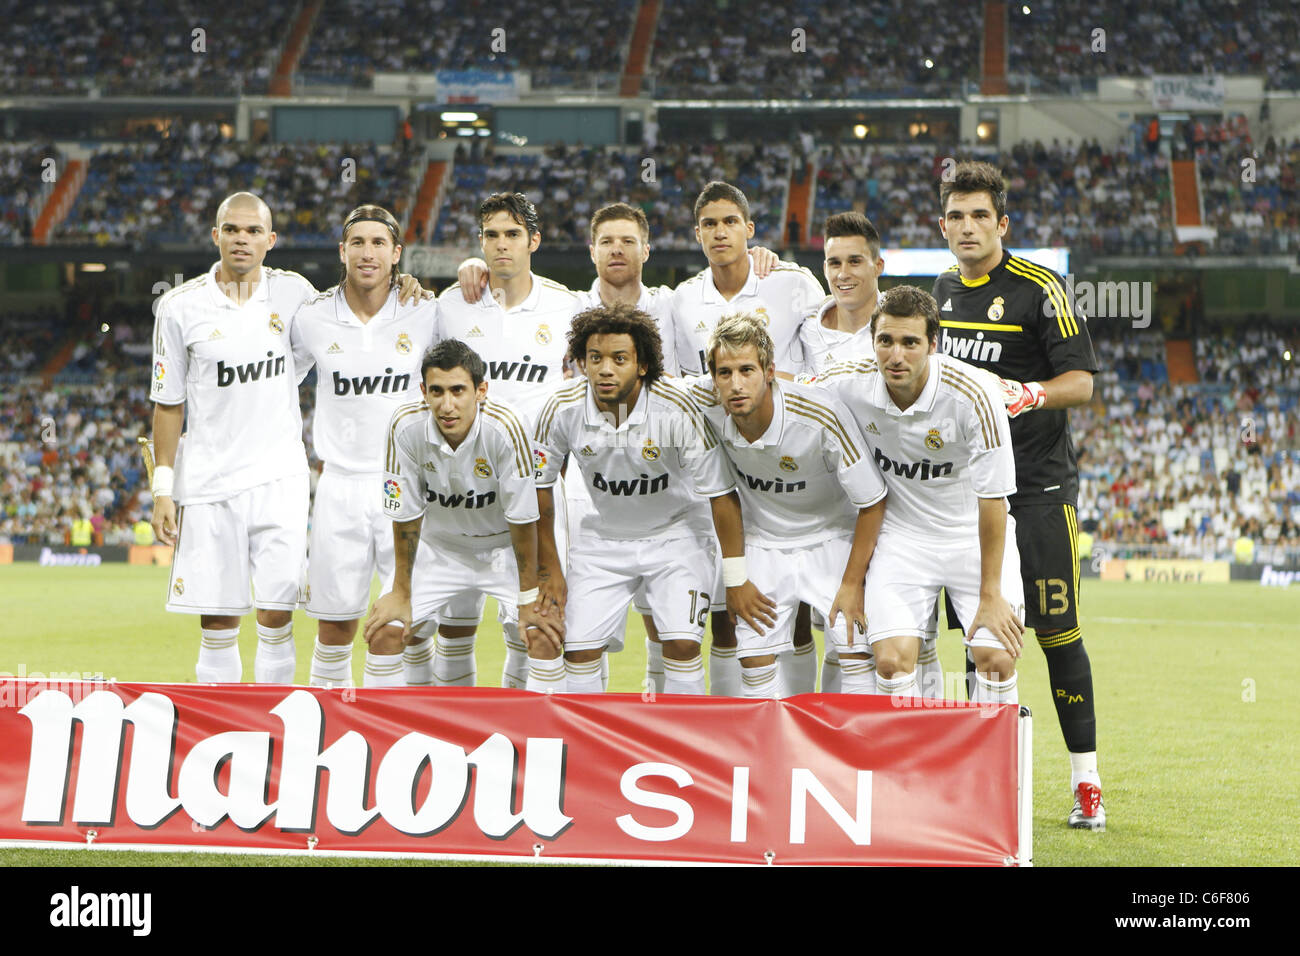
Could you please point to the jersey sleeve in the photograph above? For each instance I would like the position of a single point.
(550, 442)
(987, 431)
(845, 451)
(303, 359)
(404, 487)
(700, 454)
(663, 299)
(170, 357)
(512, 464)
(1063, 330)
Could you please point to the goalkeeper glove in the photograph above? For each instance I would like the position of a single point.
(1022, 396)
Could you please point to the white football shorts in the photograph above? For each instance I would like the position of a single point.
(351, 539)
(810, 575)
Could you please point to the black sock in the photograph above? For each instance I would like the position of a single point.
(1070, 674)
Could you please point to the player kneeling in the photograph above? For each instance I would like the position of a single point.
(940, 436)
(811, 494)
(459, 487)
(645, 452)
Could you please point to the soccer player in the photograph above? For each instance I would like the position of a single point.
(723, 228)
(811, 495)
(519, 329)
(367, 349)
(459, 484)
(645, 453)
(234, 504)
(1014, 318)
(837, 329)
(938, 431)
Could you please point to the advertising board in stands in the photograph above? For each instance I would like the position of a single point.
(62, 556)
(1154, 569)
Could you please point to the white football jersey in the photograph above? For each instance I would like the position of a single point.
(232, 367)
(823, 347)
(644, 477)
(951, 446)
(783, 298)
(657, 303)
(469, 496)
(364, 371)
(804, 480)
(523, 347)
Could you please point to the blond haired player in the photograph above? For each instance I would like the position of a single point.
(811, 495)
(367, 349)
(459, 485)
(939, 432)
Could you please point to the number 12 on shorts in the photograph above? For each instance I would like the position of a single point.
(699, 607)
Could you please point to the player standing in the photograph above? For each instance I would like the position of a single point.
(645, 453)
(519, 329)
(939, 433)
(723, 228)
(1014, 318)
(367, 350)
(459, 486)
(235, 503)
(811, 496)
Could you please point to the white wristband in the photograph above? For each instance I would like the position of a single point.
(733, 572)
(527, 597)
(163, 479)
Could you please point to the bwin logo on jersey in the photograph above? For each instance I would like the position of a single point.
(641, 485)
(370, 384)
(471, 499)
(517, 371)
(909, 469)
(973, 350)
(270, 367)
(774, 485)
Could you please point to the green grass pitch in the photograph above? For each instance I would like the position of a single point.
(1194, 686)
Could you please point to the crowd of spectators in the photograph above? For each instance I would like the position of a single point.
(569, 183)
(168, 191)
(142, 47)
(1058, 37)
(24, 184)
(555, 39)
(1185, 470)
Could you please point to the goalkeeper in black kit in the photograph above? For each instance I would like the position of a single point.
(1014, 318)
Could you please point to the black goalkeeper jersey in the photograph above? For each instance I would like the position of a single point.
(1018, 322)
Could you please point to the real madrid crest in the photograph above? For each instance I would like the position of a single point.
(179, 587)
(404, 343)
(276, 325)
(933, 441)
(996, 310)
(481, 468)
(788, 464)
(651, 451)
(761, 312)
(543, 335)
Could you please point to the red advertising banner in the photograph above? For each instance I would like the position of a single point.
(816, 779)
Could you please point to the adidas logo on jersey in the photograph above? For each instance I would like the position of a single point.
(586, 450)
(947, 306)
(909, 469)
(474, 333)
(270, 366)
(369, 384)
(216, 334)
(334, 350)
(701, 327)
(641, 485)
(871, 429)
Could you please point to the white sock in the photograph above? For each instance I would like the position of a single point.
(331, 665)
(547, 677)
(515, 672)
(687, 677)
(929, 670)
(417, 664)
(857, 676)
(654, 666)
(759, 681)
(453, 662)
(995, 692)
(383, 670)
(218, 657)
(604, 672)
(798, 670)
(724, 672)
(900, 685)
(831, 671)
(276, 656)
(1083, 769)
(583, 678)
